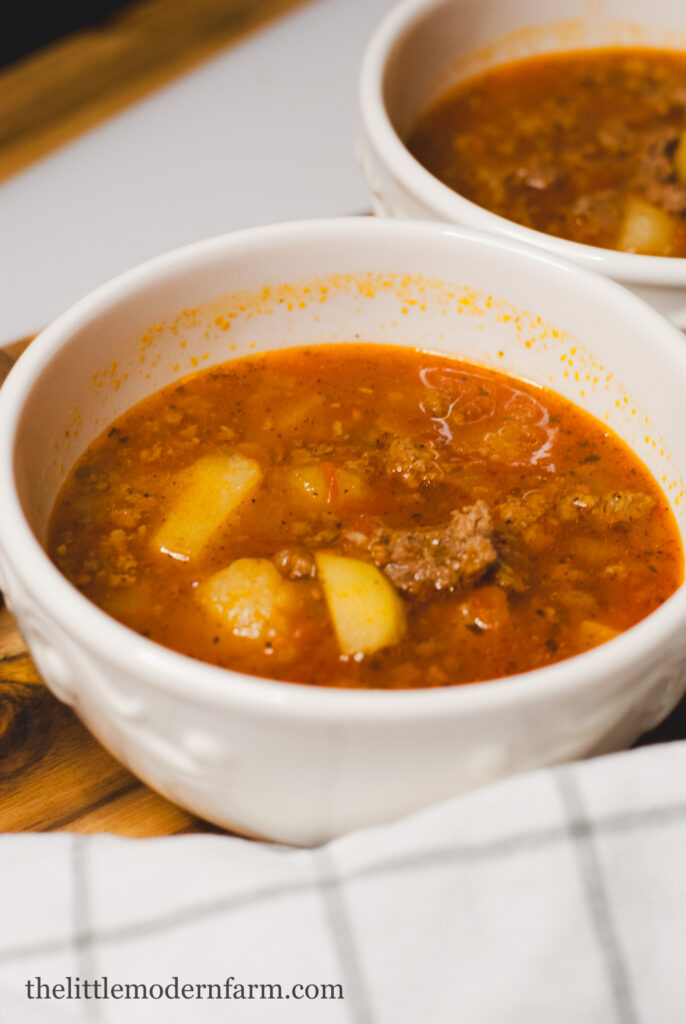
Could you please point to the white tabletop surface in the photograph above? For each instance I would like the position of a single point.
(263, 132)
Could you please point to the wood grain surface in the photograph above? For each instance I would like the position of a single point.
(53, 775)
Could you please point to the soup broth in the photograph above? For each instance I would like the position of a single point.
(366, 516)
(588, 145)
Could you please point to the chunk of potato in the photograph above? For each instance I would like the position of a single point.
(645, 229)
(250, 596)
(310, 483)
(367, 612)
(205, 494)
(592, 633)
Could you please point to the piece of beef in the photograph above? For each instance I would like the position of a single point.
(296, 563)
(415, 464)
(576, 504)
(437, 404)
(670, 196)
(596, 214)
(657, 163)
(517, 515)
(624, 507)
(433, 558)
(402, 459)
(656, 176)
(538, 174)
(618, 509)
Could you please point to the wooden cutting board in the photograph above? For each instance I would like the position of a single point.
(53, 775)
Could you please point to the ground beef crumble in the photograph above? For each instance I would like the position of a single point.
(427, 559)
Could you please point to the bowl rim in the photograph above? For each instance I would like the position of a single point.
(454, 208)
(170, 671)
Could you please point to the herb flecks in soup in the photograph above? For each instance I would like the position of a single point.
(366, 516)
(588, 145)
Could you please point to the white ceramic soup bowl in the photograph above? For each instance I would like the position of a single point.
(291, 762)
(424, 47)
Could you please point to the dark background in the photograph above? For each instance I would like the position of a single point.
(28, 27)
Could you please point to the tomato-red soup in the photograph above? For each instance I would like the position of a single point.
(366, 516)
(587, 145)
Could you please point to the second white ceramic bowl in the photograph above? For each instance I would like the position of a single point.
(297, 763)
(423, 47)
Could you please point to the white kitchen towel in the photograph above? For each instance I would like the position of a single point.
(557, 897)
